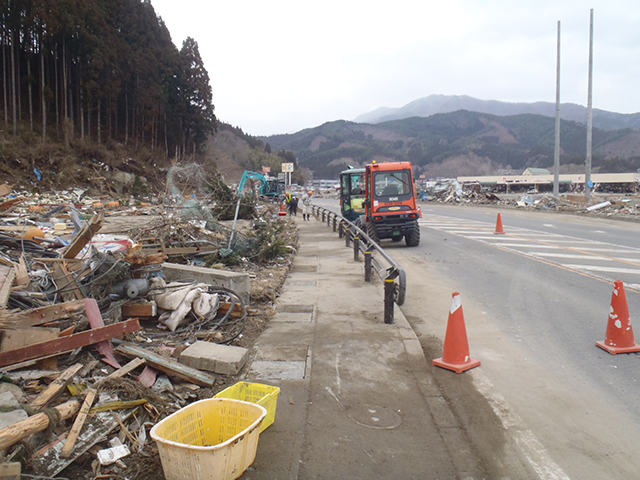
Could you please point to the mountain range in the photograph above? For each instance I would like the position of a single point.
(433, 104)
(457, 143)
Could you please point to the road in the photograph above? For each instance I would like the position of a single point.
(535, 300)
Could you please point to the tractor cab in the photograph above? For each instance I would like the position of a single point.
(352, 193)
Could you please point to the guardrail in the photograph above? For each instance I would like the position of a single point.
(393, 276)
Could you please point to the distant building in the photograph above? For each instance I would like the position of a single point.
(536, 171)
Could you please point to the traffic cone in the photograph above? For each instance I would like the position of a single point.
(499, 228)
(619, 337)
(283, 210)
(456, 346)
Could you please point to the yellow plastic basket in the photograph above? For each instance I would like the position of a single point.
(264, 395)
(213, 439)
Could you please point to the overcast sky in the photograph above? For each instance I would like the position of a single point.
(280, 66)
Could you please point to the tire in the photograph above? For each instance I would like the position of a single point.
(413, 237)
(371, 232)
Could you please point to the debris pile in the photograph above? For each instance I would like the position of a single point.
(114, 315)
(625, 206)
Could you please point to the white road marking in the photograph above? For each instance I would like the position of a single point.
(594, 268)
(549, 225)
(525, 245)
(569, 255)
(576, 242)
(531, 447)
(612, 250)
(338, 379)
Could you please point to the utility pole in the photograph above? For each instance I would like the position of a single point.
(556, 152)
(587, 178)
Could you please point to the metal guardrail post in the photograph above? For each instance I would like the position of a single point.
(329, 219)
(347, 237)
(323, 216)
(335, 222)
(389, 294)
(356, 248)
(367, 266)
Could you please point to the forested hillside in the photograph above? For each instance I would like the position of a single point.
(460, 143)
(103, 72)
(102, 69)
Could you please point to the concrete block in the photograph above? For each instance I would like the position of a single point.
(236, 281)
(10, 387)
(212, 357)
(8, 401)
(9, 418)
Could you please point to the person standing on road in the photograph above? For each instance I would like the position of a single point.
(292, 202)
(306, 206)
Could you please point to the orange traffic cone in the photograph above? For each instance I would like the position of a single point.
(619, 337)
(283, 210)
(499, 228)
(456, 346)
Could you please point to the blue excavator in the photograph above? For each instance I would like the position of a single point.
(270, 188)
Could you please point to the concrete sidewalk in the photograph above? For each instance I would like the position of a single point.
(356, 400)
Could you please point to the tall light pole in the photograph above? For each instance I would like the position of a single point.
(587, 177)
(556, 151)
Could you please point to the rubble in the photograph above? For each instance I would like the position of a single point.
(619, 205)
(91, 328)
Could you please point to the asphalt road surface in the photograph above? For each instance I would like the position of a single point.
(535, 300)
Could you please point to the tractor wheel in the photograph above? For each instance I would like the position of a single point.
(371, 232)
(413, 237)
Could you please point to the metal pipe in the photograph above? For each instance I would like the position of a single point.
(235, 222)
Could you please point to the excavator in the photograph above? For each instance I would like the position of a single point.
(270, 187)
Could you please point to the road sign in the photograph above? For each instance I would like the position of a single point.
(287, 167)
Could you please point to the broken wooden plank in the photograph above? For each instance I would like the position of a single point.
(78, 423)
(237, 309)
(129, 367)
(5, 189)
(36, 423)
(139, 309)
(70, 342)
(38, 316)
(7, 277)
(167, 365)
(83, 237)
(11, 203)
(11, 471)
(118, 405)
(98, 428)
(55, 387)
(22, 275)
(12, 339)
(67, 283)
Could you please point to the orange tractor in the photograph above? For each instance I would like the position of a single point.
(389, 201)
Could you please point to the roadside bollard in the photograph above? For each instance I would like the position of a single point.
(356, 248)
(367, 266)
(329, 219)
(347, 237)
(341, 229)
(323, 216)
(389, 292)
(335, 222)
